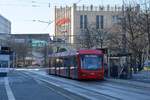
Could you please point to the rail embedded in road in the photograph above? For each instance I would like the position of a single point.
(95, 90)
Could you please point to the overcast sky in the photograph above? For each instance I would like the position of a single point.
(24, 14)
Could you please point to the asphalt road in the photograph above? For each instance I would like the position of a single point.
(3, 95)
(98, 90)
(37, 85)
(18, 86)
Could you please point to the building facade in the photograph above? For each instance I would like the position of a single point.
(5, 25)
(5, 30)
(71, 21)
(30, 48)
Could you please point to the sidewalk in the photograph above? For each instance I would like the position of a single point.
(130, 82)
(142, 76)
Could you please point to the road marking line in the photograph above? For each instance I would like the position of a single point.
(8, 90)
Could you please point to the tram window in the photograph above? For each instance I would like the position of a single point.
(66, 62)
(60, 62)
(91, 62)
(74, 61)
(50, 62)
(57, 62)
(53, 62)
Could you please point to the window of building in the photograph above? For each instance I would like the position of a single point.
(99, 21)
(83, 21)
(102, 22)
(115, 19)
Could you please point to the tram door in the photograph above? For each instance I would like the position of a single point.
(67, 66)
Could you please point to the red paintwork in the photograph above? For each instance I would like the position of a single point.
(82, 74)
(86, 74)
(98, 74)
(90, 52)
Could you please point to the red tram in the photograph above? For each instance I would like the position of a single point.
(82, 64)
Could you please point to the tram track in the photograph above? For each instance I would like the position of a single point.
(105, 86)
(102, 89)
(119, 86)
(90, 92)
(125, 92)
(51, 87)
(121, 89)
(76, 86)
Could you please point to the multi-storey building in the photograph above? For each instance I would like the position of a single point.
(71, 21)
(30, 48)
(5, 30)
(5, 25)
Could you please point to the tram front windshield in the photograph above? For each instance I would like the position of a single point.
(91, 62)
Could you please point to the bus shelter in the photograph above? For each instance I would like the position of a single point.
(119, 66)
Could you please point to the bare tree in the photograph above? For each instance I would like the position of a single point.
(145, 21)
(21, 50)
(132, 26)
(92, 37)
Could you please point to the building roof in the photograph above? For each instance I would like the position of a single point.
(32, 36)
(5, 18)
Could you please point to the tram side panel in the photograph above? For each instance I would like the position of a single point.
(73, 67)
(64, 66)
(70, 66)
